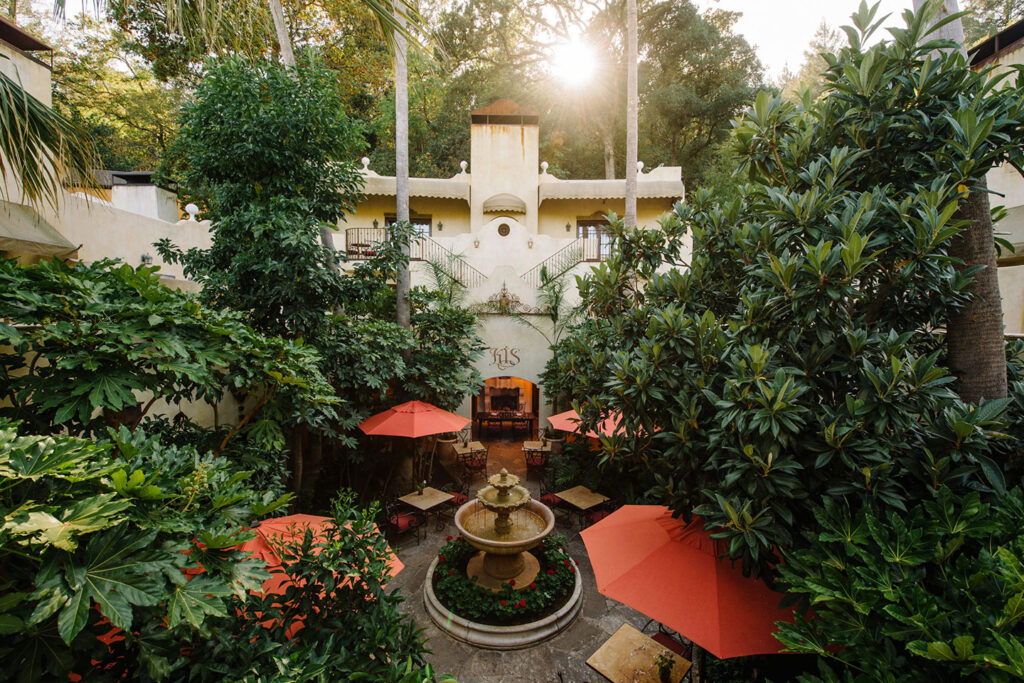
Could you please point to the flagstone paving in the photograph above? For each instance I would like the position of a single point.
(562, 659)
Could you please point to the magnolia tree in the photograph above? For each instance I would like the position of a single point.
(798, 361)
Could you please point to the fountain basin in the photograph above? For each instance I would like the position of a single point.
(504, 556)
(491, 637)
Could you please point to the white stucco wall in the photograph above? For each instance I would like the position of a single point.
(146, 200)
(107, 232)
(504, 160)
(33, 76)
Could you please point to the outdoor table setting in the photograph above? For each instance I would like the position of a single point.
(472, 448)
(427, 500)
(629, 656)
(581, 498)
(536, 447)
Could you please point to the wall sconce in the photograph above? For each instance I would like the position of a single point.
(440, 226)
(568, 226)
(476, 243)
(147, 259)
(529, 245)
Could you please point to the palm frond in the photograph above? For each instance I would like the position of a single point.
(40, 148)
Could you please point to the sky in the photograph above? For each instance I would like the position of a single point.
(780, 30)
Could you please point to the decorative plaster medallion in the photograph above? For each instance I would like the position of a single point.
(504, 230)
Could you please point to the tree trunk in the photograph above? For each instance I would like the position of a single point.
(402, 170)
(608, 138)
(974, 337)
(298, 446)
(284, 39)
(974, 334)
(631, 114)
(311, 468)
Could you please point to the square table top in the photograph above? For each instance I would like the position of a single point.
(430, 498)
(629, 656)
(473, 447)
(536, 446)
(581, 497)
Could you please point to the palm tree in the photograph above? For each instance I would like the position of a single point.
(402, 281)
(40, 148)
(974, 333)
(631, 113)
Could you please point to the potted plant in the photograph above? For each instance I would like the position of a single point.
(554, 438)
(665, 664)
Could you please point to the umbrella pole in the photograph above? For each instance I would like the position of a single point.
(430, 465)
(697, 658)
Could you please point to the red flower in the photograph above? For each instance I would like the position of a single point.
(503, 603)
(448, 538)
(440, 558)
(451, 572)
(540, 546)
(511, 582)
(522, 603)
(572, 569)
(533, 586)
(565, 561)
(551, 571)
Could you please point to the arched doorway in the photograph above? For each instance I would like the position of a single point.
(507, 408)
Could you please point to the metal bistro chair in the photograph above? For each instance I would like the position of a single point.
(673, 641)
(399, 520)
(599, 512)
(476, 463)
(536, 462)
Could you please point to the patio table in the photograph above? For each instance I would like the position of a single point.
(629, 656)
(428, 501)
(582, 498)
(536, 447)
(473, 448)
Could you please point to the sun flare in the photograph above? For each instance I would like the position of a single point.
(573, 63)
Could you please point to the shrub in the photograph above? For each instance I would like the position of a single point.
(461, 594)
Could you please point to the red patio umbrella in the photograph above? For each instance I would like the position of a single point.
(293, 527)
(671, 571)
(413, 419)
(569, 421)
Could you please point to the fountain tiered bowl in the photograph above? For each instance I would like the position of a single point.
(504, 523)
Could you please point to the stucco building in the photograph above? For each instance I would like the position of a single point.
(1004, 50)
(499, 221)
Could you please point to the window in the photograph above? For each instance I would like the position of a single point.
(423, 224)
(597, 244)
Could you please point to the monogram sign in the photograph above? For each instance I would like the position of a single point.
(504, 358)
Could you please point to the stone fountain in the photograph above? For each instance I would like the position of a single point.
(504, 523)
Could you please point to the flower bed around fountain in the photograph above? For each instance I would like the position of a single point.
(544, 596)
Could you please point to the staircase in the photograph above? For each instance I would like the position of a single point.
(563, 260)
(361, 244)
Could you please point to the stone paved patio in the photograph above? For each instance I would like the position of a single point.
(561, 659)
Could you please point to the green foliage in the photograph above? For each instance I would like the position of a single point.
(285, 138)
(935, 592)
(791, 379)
(461, 594)
(86, 346)
(100, 535)
(334, 619)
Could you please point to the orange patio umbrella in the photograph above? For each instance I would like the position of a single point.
(413, 419)
(569, 421)
(293, 527)
(671, 571)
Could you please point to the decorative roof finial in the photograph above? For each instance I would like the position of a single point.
(543, 167)
(366, 163)
(463, 165)
(191, 210)
(639, 166)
